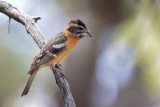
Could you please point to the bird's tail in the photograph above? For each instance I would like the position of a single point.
(33, 69)
(32, 73)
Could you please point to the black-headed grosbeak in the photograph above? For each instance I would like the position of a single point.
(57, 48)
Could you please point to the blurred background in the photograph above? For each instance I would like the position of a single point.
(118, 67)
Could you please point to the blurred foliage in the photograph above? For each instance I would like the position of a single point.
(141, 31)
(11, 69)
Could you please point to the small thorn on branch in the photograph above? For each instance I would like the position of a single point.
(36, 18)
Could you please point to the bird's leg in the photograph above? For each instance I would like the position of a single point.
(57, 67)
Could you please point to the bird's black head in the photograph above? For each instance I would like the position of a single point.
(78, 28)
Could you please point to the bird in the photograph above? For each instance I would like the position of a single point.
(57, 48)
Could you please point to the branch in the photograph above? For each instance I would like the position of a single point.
(32, 28)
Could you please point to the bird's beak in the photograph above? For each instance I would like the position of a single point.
(87, 34)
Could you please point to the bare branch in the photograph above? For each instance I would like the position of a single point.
(32, 28)
(62, 82)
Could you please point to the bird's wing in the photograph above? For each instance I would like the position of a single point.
(53, 47)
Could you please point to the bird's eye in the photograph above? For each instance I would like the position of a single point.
(80, 28)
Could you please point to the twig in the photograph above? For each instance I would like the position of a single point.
(9, 23)
(32, 28)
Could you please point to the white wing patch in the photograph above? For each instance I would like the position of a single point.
(38, 60)
(58, 46)
(50, 54)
